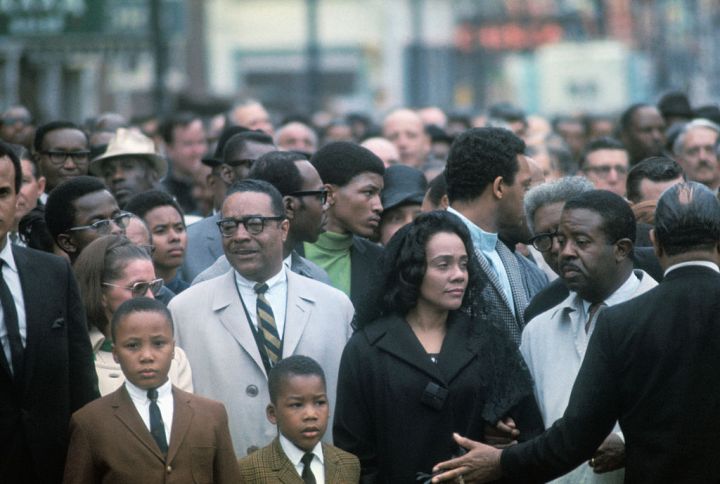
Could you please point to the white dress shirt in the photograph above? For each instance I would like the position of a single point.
(12, 279)
(317, 465)
(703, 263)
(276, 296)
(164, 401)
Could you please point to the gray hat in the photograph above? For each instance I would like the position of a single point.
(403, 184)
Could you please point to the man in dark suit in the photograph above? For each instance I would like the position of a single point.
(652, 364)
(487, 176)
(46, 364)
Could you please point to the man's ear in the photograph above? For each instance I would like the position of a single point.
(498, 187)
(332, 193)
(656, 245)
(623, 248)
(227, 174)
(41, 183)
(270, 414)
(66, 243)
(290, 204)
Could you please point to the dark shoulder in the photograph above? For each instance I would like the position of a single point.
(366, 247)
(98, 409)
(376, 329)
(27, 257)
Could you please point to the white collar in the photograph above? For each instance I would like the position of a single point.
(702, 263)
(278, 278)
(295, 454)
(139, 394)
(7, 256)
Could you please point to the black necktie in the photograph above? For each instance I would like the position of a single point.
(157, 428)
(267, 325)
(307, 474)
(11, 325)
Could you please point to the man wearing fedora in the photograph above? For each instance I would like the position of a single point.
(402, 197)
(130, 165)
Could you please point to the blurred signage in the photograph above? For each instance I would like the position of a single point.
(30, 18)
(507, 36)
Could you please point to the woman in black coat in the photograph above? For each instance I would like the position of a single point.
(433, 365)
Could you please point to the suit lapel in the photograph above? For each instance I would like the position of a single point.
(401, 342)
(492, 277)
(299, 308)
(125, 411)
(226, 304)
(515, 277)
(182, 418)
(332, 469)
(30, 281)
(280, 464)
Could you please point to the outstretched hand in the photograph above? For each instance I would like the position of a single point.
(480, 464)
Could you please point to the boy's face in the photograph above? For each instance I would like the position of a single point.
(301, 411)
(144, 348)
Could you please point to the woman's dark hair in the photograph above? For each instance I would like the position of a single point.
(103, 260)
(405, 264)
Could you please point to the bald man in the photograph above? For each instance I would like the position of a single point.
(405, 129)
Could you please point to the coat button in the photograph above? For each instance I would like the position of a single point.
(252, 449)
(168, 469)
(251, 391)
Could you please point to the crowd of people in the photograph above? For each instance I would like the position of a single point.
(428, 298)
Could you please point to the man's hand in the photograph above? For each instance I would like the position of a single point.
(503, 434)
(480, 464)
(610, 456)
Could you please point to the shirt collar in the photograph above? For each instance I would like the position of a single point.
(287, 262)
(295, 454)
(6, 255)
(703, 263)
(139, 394)
(575, 303)
(278, 278)
(485, 241)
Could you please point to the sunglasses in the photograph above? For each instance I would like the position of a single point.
(139, 289)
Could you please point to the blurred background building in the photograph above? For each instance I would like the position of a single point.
(75, 58)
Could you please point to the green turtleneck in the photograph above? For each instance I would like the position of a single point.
(332, 253)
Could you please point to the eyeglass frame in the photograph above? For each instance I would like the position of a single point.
(65, 154)
(106, 221)
(550, 235)
(244, 221)
(133, 288)
(323, 193)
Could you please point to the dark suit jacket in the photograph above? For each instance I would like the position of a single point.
(109, 443)
(652, 364)
(203, 248)
(390, 408)
(59, 373)
(366, 280)
(270, 465)
(556, 292)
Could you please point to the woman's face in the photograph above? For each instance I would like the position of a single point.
(136, 270)
(446, 276)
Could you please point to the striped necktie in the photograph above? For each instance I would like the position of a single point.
(267, 326)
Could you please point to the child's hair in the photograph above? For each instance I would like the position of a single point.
(139, 305)
(295, 365)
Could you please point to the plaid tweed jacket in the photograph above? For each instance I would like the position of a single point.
(271, 465)
(522, 286)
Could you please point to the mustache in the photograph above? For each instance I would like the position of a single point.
(569, 265)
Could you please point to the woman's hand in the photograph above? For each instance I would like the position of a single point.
(503, 434)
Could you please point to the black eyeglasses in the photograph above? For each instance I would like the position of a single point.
(254, 224)
(139, 289)
(543, 241)
(59, 157)
(104, 226)
(321, 194)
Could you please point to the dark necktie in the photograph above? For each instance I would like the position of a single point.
(267, 326)
(307, 473)
(592, 313)
(157, 428)
(11, 325)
